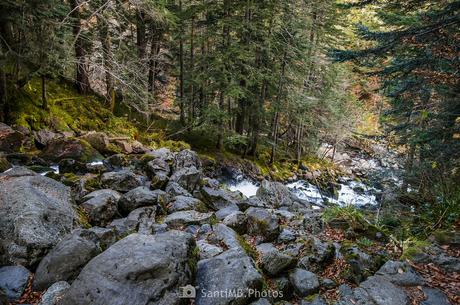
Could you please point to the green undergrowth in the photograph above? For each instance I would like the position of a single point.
(67, 110)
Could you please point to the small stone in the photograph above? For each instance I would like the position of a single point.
(305, 282)
(13, 280)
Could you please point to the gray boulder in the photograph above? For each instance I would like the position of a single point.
(137, 270)
(237, 221)
(121, 181)
(186, 158)
(274, 261)
(304, 282)
(139, 197)
(400, 274)
(70, 148)
(218, 198)
(101, 206)
(184, 218)
(141, 220)
(434, 297)
(225, 235)
(275, 194)
(54, 293)
(208, 250)
(174, 189)
(232, 270)
(13, 280)
(263, 223)
(66, 260)
(184, 203)
(189, 178)
(156, 166)
(375, 290)
(43, 137)
(35, 213)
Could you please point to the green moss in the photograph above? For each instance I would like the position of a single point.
(247, 247)
(192, 262)
(83, 218)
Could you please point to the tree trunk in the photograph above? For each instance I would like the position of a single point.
(107, 56)
(191, 88)
(82, 79)
(141, 41)
(181, 76)
(5, 109)
(44, 99)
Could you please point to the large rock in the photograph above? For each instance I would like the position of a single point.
(275, 194)
(139, 197)
(375, 290)
(54, 293)
(274, 261)
(99, 140)
(35, 213)
(218, 198)
(10, 139)
(140, 220)
(13, 280)
(122, 181)
(43, 137)
(263, 223)
(184, 203)
(101, 206)
(230, 271)
(305, 282)
(237, 221)
(186, 158)
(189, 178)
(183, 218)
(137, 270)
(66, 260)
(156, 166)
(400, 273)
(70, 148)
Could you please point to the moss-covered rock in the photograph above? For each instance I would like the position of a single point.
(70, 148)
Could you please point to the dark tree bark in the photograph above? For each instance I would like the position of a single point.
(44, 99)
(82, 78)
(108, 58)
(5, 107)
(141, 36)
(181, 73)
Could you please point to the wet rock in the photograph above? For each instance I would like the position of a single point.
(263, 223)
(400, 273)
(13, 280)
(208, 250)
(218, 198)
(54, 293)
(434, 297)
(121, 181)
(71, 166)
(232, 270)
(275, 194)
(237, 221)
(189, 178)
(139, 197)
(101, 206)
(183, 218)
(124, 274)
(35, 213)
(305, 283)
(272, 260)
(65, 261)
(184, 203)
(70, 148)
(141, 220)
(10, 139)
(185, 159)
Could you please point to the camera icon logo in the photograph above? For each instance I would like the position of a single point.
(187, 292)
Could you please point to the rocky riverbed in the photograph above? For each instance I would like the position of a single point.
(84, 223)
